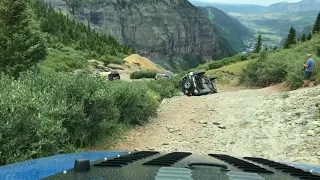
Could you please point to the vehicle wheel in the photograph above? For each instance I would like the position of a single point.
(214, 88)
(215, 91)
(187, 84)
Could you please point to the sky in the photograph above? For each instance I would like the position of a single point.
(258, 2)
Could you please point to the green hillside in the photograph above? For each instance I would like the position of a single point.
(229, 28)
(268, 67)
(70, 44)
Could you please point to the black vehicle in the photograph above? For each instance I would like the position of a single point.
(113, 75)
(162, 75)
(197, 84)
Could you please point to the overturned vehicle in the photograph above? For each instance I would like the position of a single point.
(197, 84)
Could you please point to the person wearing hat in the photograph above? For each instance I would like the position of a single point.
(309, 66)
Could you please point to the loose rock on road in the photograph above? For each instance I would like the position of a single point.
(273, 125)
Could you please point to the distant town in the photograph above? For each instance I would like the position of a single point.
(250, 45)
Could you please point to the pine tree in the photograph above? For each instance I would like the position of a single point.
(72, 5)
(291, 38)
(316, 27)
(258, 46)
(69, 32)
(20, 47)
(303, 38)
(309, 36)
(263, 56)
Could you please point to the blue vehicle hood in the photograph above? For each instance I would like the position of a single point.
(45, 167)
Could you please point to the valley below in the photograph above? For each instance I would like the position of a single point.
(274, 27)
(270, 123)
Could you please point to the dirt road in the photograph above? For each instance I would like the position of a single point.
(261, 123)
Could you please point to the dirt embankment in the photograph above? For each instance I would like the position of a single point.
(262, 123)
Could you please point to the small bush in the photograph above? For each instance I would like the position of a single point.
(135, 102)
(295, 77)
(243, 57)
(216, 64)
(43, 113)
(262, 73)
(166, 88)
(143, 74)
(29, 126)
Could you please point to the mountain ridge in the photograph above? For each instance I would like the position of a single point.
(162, 30)
(304, 5)
(237, 8)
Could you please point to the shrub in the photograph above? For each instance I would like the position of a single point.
(262, 73)
(135, 102)
(254, 55)
(318, 51)
(248, 75)
(243, 57)
(143, 74)
(295, 77)
(29, 126)
(216, 64)
(43, 113)
(166, 88)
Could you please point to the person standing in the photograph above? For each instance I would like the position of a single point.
(309, 66)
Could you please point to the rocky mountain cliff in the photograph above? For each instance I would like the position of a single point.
(162, 30)
(304, 5)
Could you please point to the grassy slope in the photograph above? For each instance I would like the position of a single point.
(66, 56)
(229, 75)
(292, 58)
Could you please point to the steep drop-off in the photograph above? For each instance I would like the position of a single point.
(228, 27)
(162, 30)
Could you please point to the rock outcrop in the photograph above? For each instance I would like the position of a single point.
(158, 29)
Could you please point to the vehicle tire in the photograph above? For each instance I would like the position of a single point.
(187, 84)
(214, 90)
